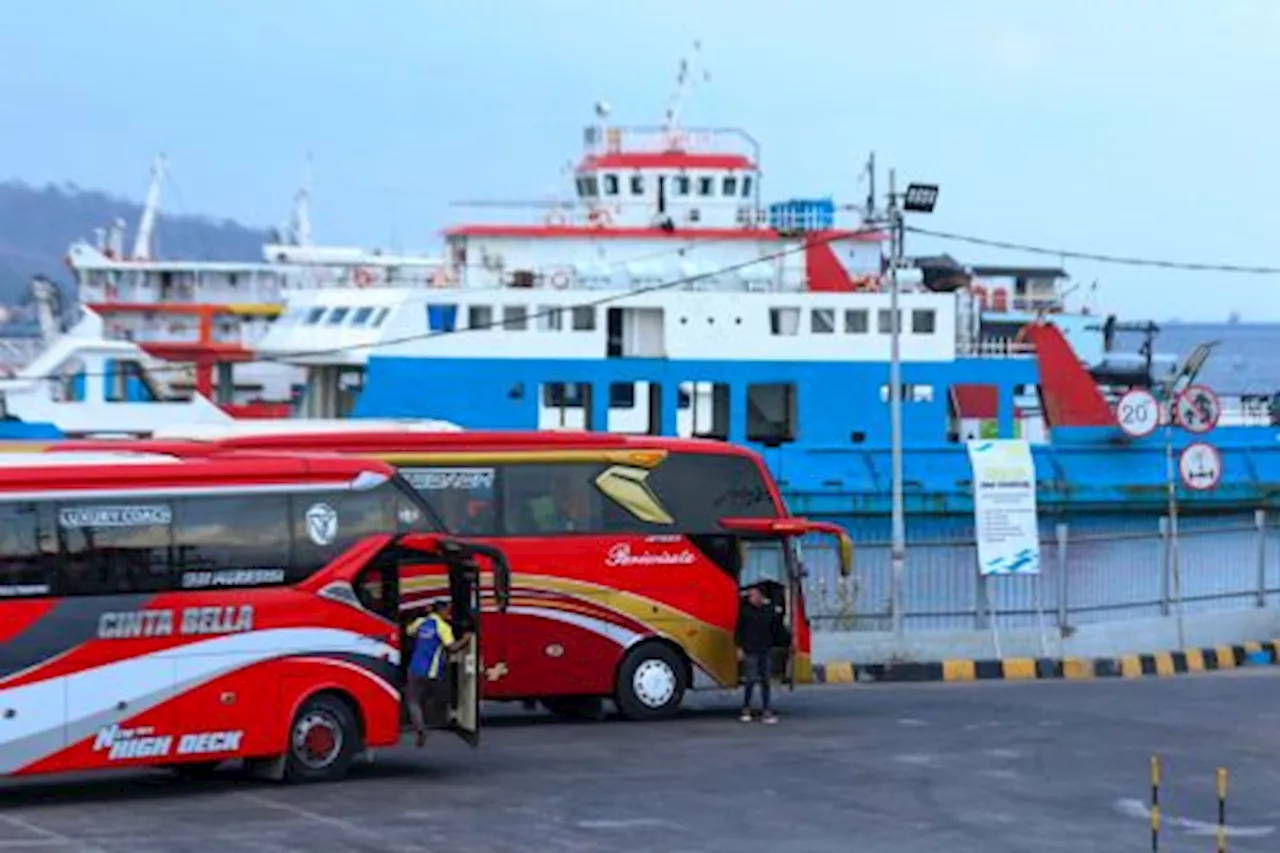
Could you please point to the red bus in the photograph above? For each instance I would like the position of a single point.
(628, 553)
(156, 610)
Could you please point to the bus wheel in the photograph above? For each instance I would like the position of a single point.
(651, 682)
(323, 741)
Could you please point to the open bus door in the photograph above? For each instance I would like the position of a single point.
(412, 552)
(790, 574)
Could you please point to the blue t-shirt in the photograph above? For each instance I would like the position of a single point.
(431, 634)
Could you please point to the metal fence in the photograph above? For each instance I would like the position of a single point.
(1095, 570)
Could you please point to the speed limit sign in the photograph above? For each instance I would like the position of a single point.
(1138, 413)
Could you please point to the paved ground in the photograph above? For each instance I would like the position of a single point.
(998, 766)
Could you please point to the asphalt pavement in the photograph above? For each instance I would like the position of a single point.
(987, 766)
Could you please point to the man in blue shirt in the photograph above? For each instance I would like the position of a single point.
(429, 692)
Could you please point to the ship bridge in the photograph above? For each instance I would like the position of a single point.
(649, 177)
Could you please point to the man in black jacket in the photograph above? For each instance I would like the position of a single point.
(759, 631)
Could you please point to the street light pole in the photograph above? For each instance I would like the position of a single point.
(898, 549)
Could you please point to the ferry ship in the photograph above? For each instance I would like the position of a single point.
(667, 297)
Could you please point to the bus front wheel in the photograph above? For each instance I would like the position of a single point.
(323, 740)
(651, 682)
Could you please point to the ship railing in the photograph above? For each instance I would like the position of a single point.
(1249, 409)
(994, 348)
(650, 139)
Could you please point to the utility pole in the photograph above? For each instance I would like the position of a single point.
(898, 551)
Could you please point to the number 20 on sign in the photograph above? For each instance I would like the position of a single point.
(1138, 413)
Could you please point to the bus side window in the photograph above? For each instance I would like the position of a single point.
(326, 524)
(215, 534)
(25, 567)
(115, 548)
(538, 499)
(462, 497)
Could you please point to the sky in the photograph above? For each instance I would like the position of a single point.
(1142, 128)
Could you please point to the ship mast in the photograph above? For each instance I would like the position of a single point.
(684, 82)
(300, 224)
(147, 224)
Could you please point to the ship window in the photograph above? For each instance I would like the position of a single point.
(923, 321)
(610, 184)
(784, 321)
(581, 185)
(622, 395)
(772, 413)
(910, 393)
(442, 317)
(704, 410)
(637, 184)
(550, 318)
(584, 318)
(515, 318)
(337, 316)
(822, 321)
(361, 316)
(730, 187)
(746, 187)
(883, 322)
(591, 186)
(380, 317)
(706, 186)
(856, 321)
(682, 184)
(480, 317)
(314, 315)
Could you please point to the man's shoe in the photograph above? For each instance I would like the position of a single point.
(769, 717)
(420, 739)
(745, 716)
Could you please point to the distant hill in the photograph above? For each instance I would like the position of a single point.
(38, 224)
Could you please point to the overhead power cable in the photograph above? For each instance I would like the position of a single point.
(1095, 256)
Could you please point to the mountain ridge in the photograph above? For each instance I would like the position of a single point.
(39, 223)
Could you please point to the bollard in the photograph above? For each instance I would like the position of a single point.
(1222, 810)
(1155, 804)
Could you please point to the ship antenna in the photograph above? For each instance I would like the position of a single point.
(684, 81)
(300, 226)
(147, 223)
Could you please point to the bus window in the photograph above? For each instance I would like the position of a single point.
(115, 547)
(541, 499)
(24, 569)
(462, 497)
(764, 562)
(325, 524)
(216, 539)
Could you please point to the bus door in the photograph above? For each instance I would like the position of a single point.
(380, 589)
(767, 564)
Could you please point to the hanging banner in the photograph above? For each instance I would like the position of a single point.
(1004, 507)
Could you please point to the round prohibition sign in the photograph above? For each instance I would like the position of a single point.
(1200, 466)
(1138, 413)
(1197, 409)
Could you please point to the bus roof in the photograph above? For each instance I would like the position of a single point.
(291, 426)
(84, 457)
(375, 439)
(153, 475)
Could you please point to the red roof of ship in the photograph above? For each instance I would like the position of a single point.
(664, 160)
(616, 233)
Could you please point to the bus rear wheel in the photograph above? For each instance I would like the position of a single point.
(651, 682)
(324, 740)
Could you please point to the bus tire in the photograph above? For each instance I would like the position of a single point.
(324, 739)
(651, 682)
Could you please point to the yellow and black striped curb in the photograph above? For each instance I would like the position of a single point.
(1031, 669)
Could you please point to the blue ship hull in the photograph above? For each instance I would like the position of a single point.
(839, 464)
